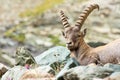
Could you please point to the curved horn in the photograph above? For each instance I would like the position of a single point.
(85, 14)
(64, 19)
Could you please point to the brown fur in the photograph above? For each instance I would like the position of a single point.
(83, 53)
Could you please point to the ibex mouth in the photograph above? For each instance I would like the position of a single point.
(69, 46)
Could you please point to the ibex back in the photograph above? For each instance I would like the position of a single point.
(83, 53)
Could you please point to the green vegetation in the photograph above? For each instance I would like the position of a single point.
(32, 13)
(38, 10)
(20, 37)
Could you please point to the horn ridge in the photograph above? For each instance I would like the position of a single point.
(64, 19)
(83, 16)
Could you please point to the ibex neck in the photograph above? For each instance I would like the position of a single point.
(83, 49)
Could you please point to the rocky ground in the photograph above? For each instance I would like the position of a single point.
(53, 64)
(44, 31)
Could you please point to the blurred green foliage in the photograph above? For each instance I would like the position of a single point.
(38, 10)
(20, 37)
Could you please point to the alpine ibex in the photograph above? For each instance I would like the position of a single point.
(80, 50)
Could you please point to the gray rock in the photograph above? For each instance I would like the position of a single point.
(17, 72)
(115, 67)
(14, 73)
(115, 76)
(56, 54)
(87, 73)
(23, 56)
(70, 64)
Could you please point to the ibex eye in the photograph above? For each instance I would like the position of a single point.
(78, 35)
(65, 36)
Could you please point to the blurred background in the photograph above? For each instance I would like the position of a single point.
(36, 24)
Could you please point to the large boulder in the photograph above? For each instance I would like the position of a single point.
(49, 62)
(55, 57)
(56, 54)
(86, 73)
(22, 73)
(115, 75)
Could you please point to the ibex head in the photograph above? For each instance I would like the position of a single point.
(72, 34)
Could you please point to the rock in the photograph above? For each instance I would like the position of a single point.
(70, 64)
(115, 67)
(115, 76)
(22, 73)
(23, 56)
(56, 54)
(3, 69)
(87, 73)
(14, 73)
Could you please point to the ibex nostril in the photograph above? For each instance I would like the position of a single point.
(69, 43)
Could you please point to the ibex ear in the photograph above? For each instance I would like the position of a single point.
(63, 33)
(84, 32)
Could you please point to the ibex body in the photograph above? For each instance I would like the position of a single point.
(83, 53)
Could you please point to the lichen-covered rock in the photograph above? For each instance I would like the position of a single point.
(69, 64)
(56, 54)
(48, 61)
(87, 73)
(14, 73)
(115, 67)
(22, 73)
(23, 57)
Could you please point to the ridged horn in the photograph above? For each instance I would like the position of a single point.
(64, 19)
(85, 14)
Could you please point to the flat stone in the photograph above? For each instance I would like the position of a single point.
(52, 55)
